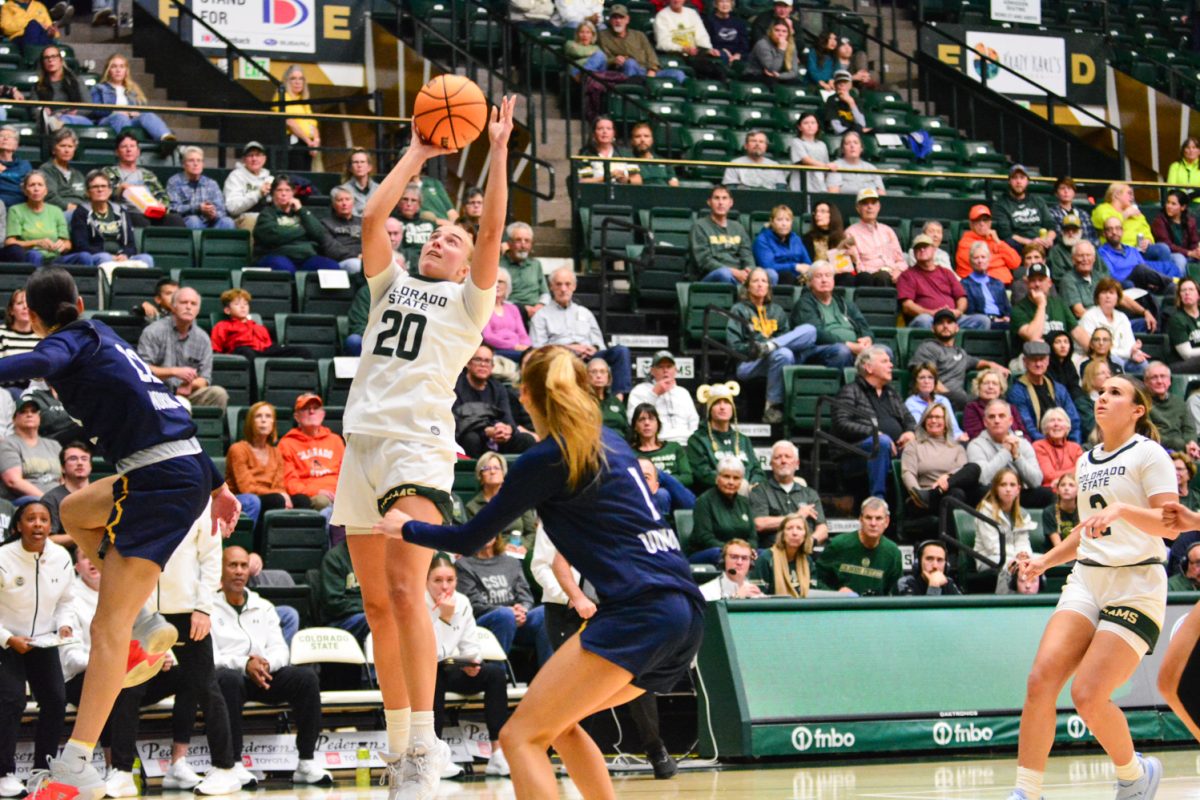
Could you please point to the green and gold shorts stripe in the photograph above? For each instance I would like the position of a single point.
(1134, 620)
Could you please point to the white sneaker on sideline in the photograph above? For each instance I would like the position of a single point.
(422, 770)
(180, 775)
(249, 779)
(73, 779)
(120, 784)
(452, 769)
(498, 764)
(308, 771)
(219, 781)
(11, 786)
(393, 773)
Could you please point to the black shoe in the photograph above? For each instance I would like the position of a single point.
(664, 766)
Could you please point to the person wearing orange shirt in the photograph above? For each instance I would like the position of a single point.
(1004, 259)
(312, 454)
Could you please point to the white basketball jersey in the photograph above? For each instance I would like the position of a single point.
(420, 334)
(1138, 470)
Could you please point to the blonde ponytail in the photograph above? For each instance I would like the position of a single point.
(557, 386)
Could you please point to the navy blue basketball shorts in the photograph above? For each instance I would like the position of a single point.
(655, 636)
(155, 507)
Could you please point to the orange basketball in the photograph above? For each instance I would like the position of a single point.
(450, 111)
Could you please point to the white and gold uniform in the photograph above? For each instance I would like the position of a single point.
(399, 428)
(1119, 582)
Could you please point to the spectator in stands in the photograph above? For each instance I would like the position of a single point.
(1175, 228)
(1064, 191)
(678, 28)
(490, 472)
(645, 434)
(1039, 313)
(417, 229)
(1128, 266)
(482, 415)
(287, 237)
(357, 179)
(565, 322)
(612, 408)
(254, 466)
(196, 197)
(1183, 327)
(1021, 218)
(81, 610)
(1062, 369)
(999, 447)
(1126, 349)
(630, 51)
(1188, 578)
(1070, 234)
(722, 513)
(750, 178)
(1176, 429)
(821, 58)
(986, 296)
(461, 667)
(734, 559)
(16, 335)
(289, 618)
(826, 240)
(57, 83)
(842, 330)
(880, 257)
(570, 14)
(1185, 172)
(1078, 288)
(774, 58)
(312, 454)
(356, 319)
(583, 52)
(238, 334)
(727, 32)
(842, 114)
(862, 562)
(14, 169)
(779, 249)
(1056, 453)
(343, 231)
(1059, 519)
(340, 598)
(781, 11)
(1003, 258)
(935, 465)
(529, 290)
(786, 568)
(604, 145)
(809, 150)
(1034, 393)
(304, 135)
(126, 174)
(1120, 203)
(103, 231)
(66, 187)
(28, 23)
(855, 62)
(990, 383)
(934, 230)
(720, 246)
(501, 599)
(925, 393)
(252, 664)
(248, 187)
(179, 352)
(871, 406)
(117, 87)
(1100, 349)
(761, 332)
(672, 403)
(641, 142)
(928, 576)
(1003, 504)
(719, 437)
(781, 494)
(505, 332)
(41, 608)
(75, 463)
(395, 232)
(926, 291)
(37, 232)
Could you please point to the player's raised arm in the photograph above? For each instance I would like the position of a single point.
(377, 250)
(485, 261)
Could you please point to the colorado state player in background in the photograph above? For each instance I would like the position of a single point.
(1113, 606)
(400, 451)
(587, 487)
(164, 483)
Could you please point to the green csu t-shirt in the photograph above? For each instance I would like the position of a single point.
(845, 562)
(1182, 329)
(836, 323)
(49, 223)
(1058, 318)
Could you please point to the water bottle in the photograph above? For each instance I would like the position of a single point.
(138, 780)
(514, 538)
(362, 772)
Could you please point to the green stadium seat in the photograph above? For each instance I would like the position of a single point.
(130, 286)
(710, 115)
(988, 345)
(910, 339)
(608, 242)
(695, 298)
(938, 126)
(126, 325)
(334, 391)
(798, 96)
(281, 380)
(878, 304)
(172, 248)
(708, 91)
(243, 532)
(752, 117)
(12, 278)
(464, 478)
(883, 99)
(227, 250)
(294, 540)
(316, 300)
(233, 374)
(662, 88)
(945, 152)
(318, 333)
(210, 283)
(802, 386)
(273, 292)
(888, 121)
(981, 152)
(748, 92)
(210, 429)
(671, 228)
(1155, 346)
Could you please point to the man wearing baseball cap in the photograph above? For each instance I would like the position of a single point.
(247, 188)
(926, 289)
(312, 454)
(1004, 259)
(676, 411)
(880, 256)
(630, 51)
(842, 113)
(1039, 313)
(1034, 393)
(1021, 218)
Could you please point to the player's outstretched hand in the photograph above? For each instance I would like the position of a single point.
(1031, 567)
(226, 509)
(501, 125)
(427, 150)
(1097, 525)
(1179, 517)
(392, 524)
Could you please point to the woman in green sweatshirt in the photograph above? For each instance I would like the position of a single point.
(721, 514)
(718, 437)
(287, 236)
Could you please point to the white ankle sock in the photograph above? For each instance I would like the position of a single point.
(77, 751)
(1131, 771)
(1030, 782)
(397, 722)
(422, 728)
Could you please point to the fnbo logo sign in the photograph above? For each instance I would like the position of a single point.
(805, 739)
(945, 734)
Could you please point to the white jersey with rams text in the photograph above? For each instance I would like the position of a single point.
(420, 334)
(1136, 471)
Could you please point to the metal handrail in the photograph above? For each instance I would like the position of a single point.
(607, 224)
(231, 49)
(203, 111)
(948, 504)
(821, 436)
(707, 340)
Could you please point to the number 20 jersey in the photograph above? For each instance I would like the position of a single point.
(420, 334)
(1136, 471)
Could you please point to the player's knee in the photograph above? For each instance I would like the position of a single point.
(407, 598)
(1086, 695)
(1040, 684)
(378, 608)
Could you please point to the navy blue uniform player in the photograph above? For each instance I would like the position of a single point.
(586, 484)
(131, 522)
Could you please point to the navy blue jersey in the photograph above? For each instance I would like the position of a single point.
(608, 529)
(103, 383)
